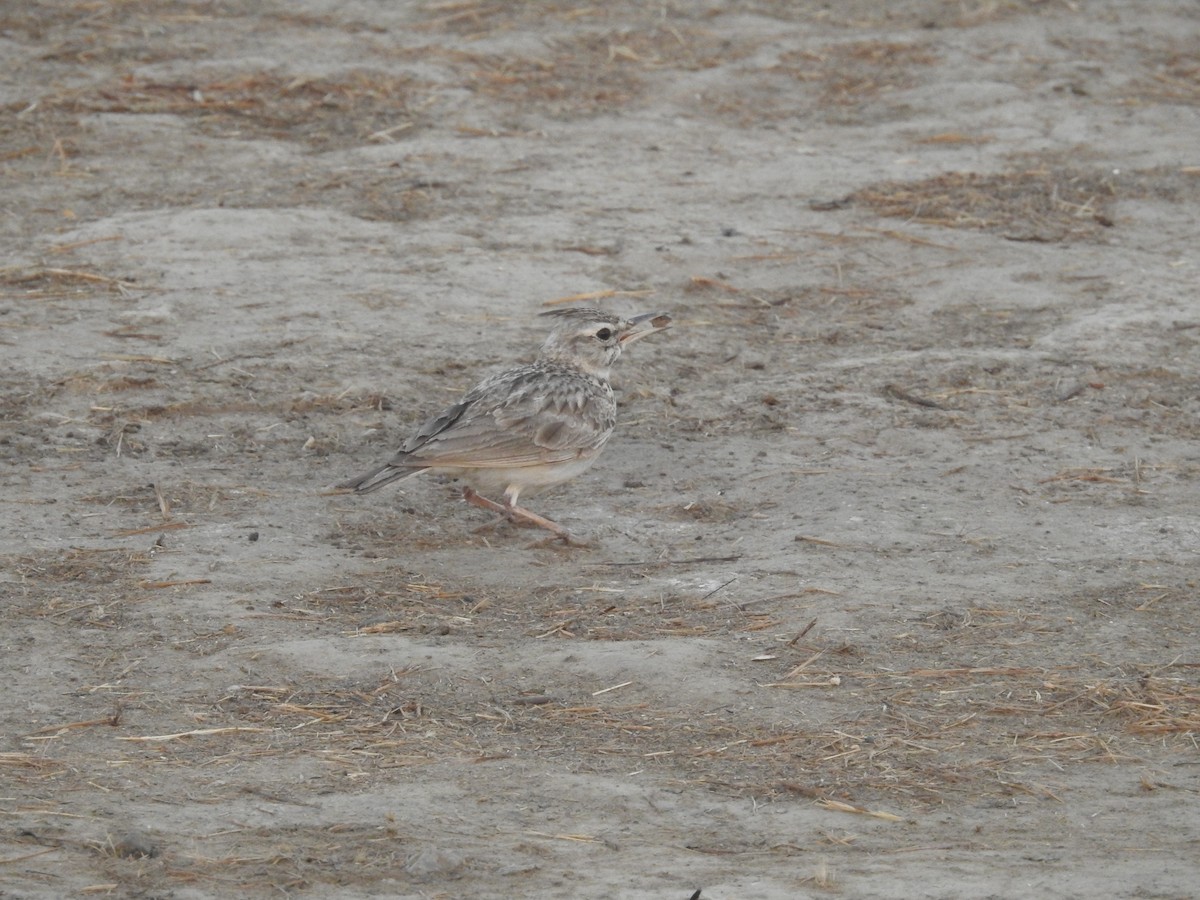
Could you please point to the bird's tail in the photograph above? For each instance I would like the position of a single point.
(377, 478)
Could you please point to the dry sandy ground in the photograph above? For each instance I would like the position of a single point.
(892, 589)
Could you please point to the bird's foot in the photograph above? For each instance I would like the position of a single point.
(522, 516)
(564, 541)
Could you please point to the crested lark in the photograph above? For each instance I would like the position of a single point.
(530, 427)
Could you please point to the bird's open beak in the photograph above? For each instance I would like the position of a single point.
(646, 324)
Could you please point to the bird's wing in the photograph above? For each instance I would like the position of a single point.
(435, 425)
(523, 417)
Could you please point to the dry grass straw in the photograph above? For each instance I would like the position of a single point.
(16, 759)
(853, 73)
(838, 806)
(889, 743)
(357, 106)
(80, 566)
(1040, 203)
(1049, 199)
(909, 735)
(1175, 80)
(48, 283)
(593, 72)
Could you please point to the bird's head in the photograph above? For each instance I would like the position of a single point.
(591, 339)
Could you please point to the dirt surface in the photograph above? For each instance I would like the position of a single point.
(892, 585)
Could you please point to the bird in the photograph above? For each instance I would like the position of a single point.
(530, 427)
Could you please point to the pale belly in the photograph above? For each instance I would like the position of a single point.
(524, 480)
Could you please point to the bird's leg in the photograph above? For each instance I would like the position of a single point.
(479, 500)
(508, 512)
(518, 515)
(483, 502)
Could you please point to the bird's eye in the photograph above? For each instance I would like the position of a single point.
(604, 334)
